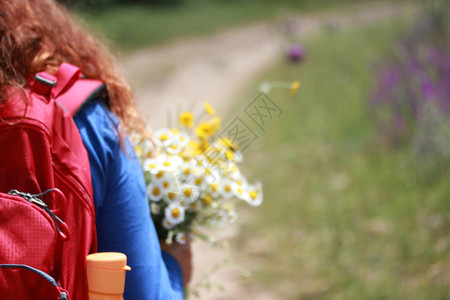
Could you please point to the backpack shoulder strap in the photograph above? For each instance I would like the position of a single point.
(81, 93)
(72, 91)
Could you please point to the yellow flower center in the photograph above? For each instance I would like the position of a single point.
(187, 192)
(253, 194)
(214, 187)
(198, 181)
(175, 212)
(227, 188)
(156, 191)
(171, 195)
(160, 174)
(207, 200)
(167, 163)
(164, 137)
(166, 184)
(138, 150)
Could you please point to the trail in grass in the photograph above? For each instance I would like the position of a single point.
(216, 69)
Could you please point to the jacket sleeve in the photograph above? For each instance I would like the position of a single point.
(122, 212)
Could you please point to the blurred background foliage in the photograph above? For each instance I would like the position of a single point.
(411, 100)
(133, 24)
(359, 207)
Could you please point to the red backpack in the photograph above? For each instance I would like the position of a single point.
(47, 217)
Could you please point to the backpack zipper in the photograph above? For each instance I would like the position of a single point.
(62, 293)
(61, 226)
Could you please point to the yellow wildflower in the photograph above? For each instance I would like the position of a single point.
(229, 154)
(228, 143)
(209, 109)
(187, 119)
(207, 200)
(204, 130)
(215, 123)
(294, 87)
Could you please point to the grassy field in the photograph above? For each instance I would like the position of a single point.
(135, 26)
(344, 216)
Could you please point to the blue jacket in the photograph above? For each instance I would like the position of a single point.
(122, 212)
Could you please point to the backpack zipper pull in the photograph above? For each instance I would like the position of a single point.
(61, 226)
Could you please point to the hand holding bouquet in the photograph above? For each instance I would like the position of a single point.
(192, 177)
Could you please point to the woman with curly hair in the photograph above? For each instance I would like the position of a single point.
(40, 35)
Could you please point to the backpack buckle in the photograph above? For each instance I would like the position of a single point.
(43, 83)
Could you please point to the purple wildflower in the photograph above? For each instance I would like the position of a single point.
(296, 53)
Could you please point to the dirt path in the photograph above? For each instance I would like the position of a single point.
(185, 73)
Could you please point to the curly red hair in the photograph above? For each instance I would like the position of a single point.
(38, 35)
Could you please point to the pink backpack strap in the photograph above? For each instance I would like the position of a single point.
(68, 87)
(73, 92)
(81, 93)
(66, 76)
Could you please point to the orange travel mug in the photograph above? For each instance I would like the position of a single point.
(106, 275)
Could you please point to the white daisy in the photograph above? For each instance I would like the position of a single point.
(200, 161)
(234, 171)
(240, 191)
(151, 165)
(187, 170)
(226, 188)
(155, 191)
(180, 238)
(197, 181)
(167, 181)
(155, 208)
(174, 213)
(182, 139)
(165, 136)
(189, 194)
(167, 224)
(255, 194)
(168, 163)
(212, 175)
(213, 189)
(174, 149)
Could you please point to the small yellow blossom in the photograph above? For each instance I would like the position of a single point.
(187, 119)
(209, 109)
(204, 130)
(207, 200)
(228, 143)
(229, 154)
(215, 123)
(294, 87)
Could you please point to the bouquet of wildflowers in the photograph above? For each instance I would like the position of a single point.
(192, 177)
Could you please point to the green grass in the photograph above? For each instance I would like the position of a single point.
(344, 216)
(135, 26)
